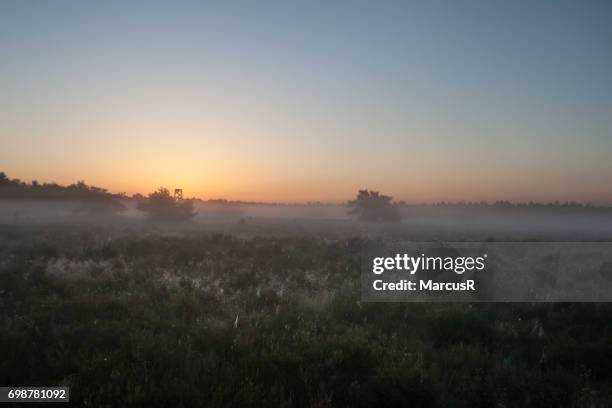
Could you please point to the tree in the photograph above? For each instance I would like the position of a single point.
(373, 206)
(88, 199)
(161, 206)
(4, 180)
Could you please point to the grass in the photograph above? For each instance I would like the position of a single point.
(213, 320)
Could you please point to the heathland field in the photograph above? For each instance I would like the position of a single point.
(268, 313)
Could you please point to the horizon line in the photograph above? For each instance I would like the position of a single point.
(464, 202)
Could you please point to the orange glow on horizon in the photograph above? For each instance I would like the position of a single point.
(233, 188)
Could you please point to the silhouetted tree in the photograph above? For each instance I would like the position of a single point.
(373, 206)
(4, 180)
(161, 206)
(89, 199)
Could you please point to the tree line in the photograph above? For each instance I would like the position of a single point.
(368, 205)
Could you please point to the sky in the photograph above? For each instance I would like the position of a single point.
(298, 101)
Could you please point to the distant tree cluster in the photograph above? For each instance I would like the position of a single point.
(373, 206)
(90, 198)
(531, 206)
(161, 206)
(509, 204)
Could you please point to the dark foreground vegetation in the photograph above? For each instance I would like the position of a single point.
(211, 320)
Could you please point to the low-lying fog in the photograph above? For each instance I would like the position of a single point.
(448, 222)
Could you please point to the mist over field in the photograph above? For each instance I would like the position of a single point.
(441, 222)
(259, 305)
(162, 300)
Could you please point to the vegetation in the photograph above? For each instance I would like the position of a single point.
(161, 206)
(373, 206)
(216, 321)
(368, 204)
(87, 198)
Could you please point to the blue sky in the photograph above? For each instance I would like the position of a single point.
(294, 101)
